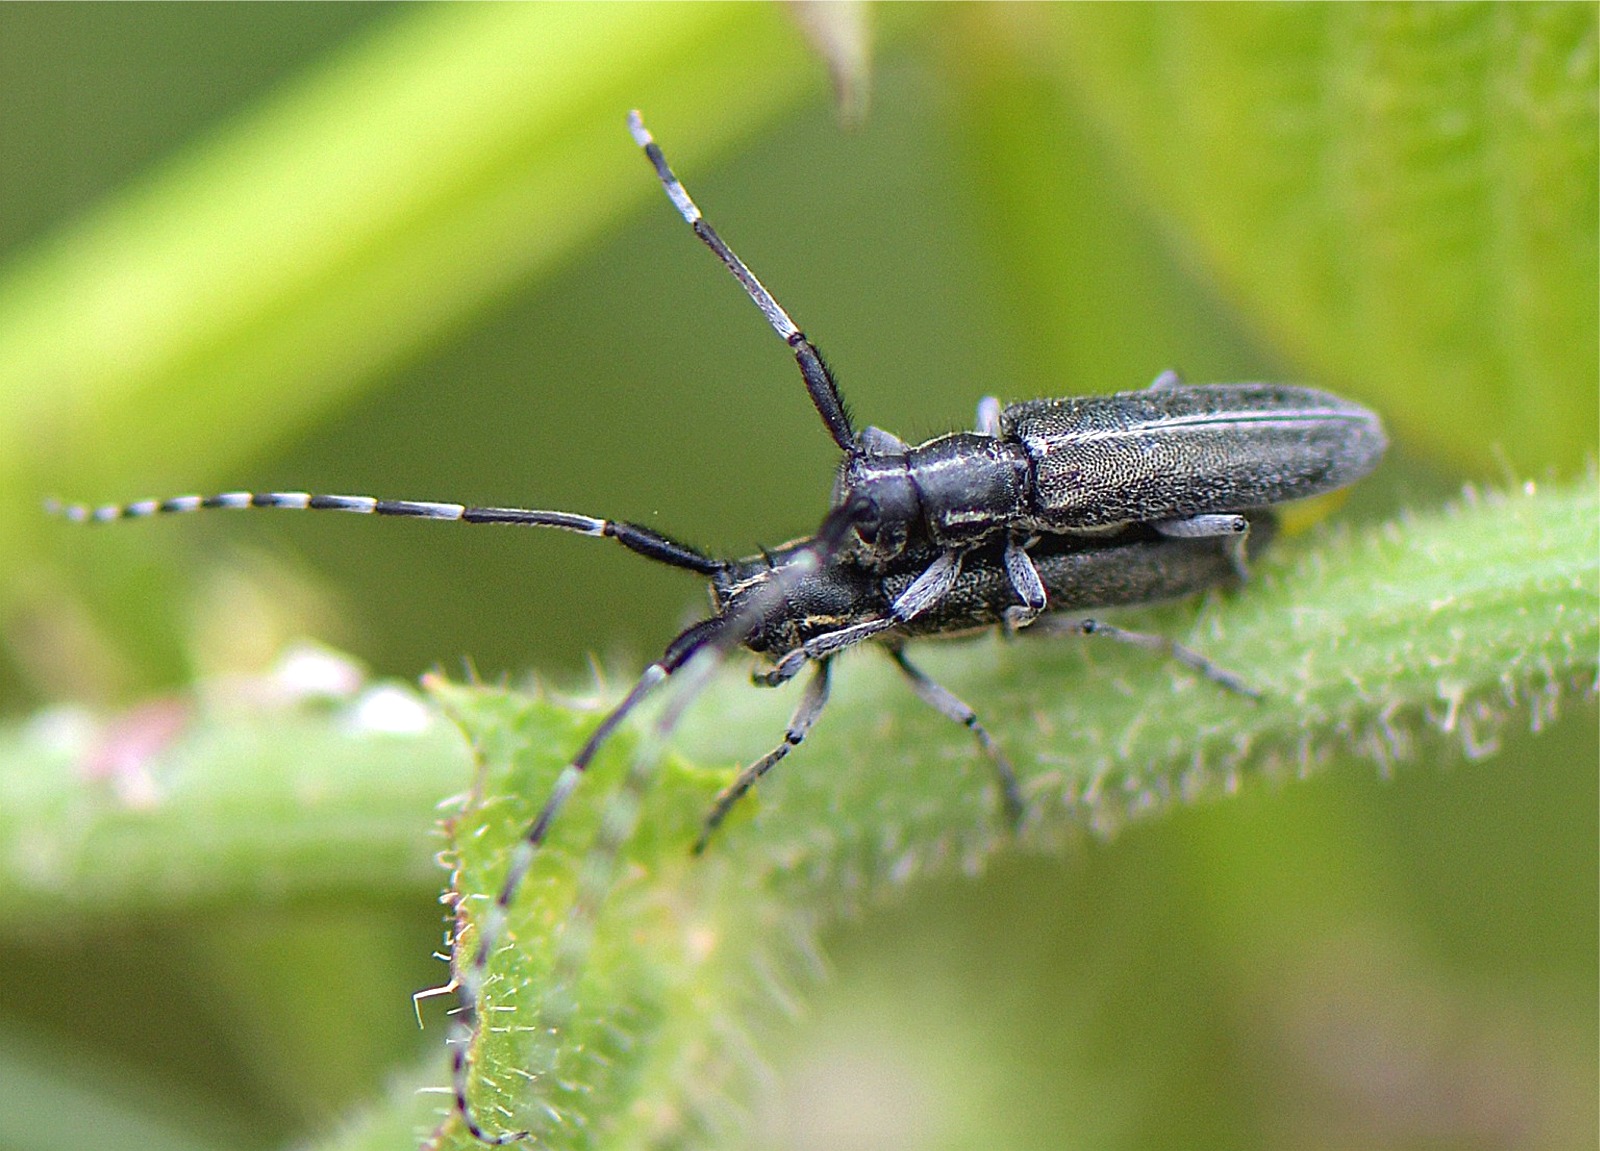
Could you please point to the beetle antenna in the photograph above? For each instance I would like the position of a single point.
(819, 379)
(636, 538)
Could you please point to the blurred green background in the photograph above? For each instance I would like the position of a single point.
(411, 252)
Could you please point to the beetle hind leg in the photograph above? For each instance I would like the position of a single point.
(1159, 644)
(1203, 527)
(1232, 527)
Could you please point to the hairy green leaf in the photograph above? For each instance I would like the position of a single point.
(619, 1023)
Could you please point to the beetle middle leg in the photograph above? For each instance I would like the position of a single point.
(947, 704)
(1235, 528)
(1026, 583)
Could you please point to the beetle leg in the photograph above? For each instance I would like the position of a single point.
(942, 700)
(1026, 583)
(1237, 556)
(1210, 527)
(800, 724)
(1203, 527)
(926, 590)
(821, 647)
(1159, 644)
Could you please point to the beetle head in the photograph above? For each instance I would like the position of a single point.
(822, 599)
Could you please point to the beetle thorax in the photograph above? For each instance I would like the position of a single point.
(878, 480)
(953, 491)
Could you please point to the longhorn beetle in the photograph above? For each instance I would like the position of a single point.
(1047, 507)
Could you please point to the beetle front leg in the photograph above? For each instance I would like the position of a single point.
(926, 590)
(800, 724)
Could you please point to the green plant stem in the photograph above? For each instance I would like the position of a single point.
(241, 808)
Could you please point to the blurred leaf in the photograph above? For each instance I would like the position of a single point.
(1094, 299)
(240, 807)
(1404, 196)
(324, 986)
(74, 1099)
(412, 1105)
(348, 221)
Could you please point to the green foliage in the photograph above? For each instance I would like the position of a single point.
(1421, 637)
(247, 809)
(334, 232)
(1396, 201)
(1411, 196)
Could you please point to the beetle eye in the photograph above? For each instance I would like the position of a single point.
(868, 520)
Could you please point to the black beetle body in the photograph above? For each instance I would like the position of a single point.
(1167, 453)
